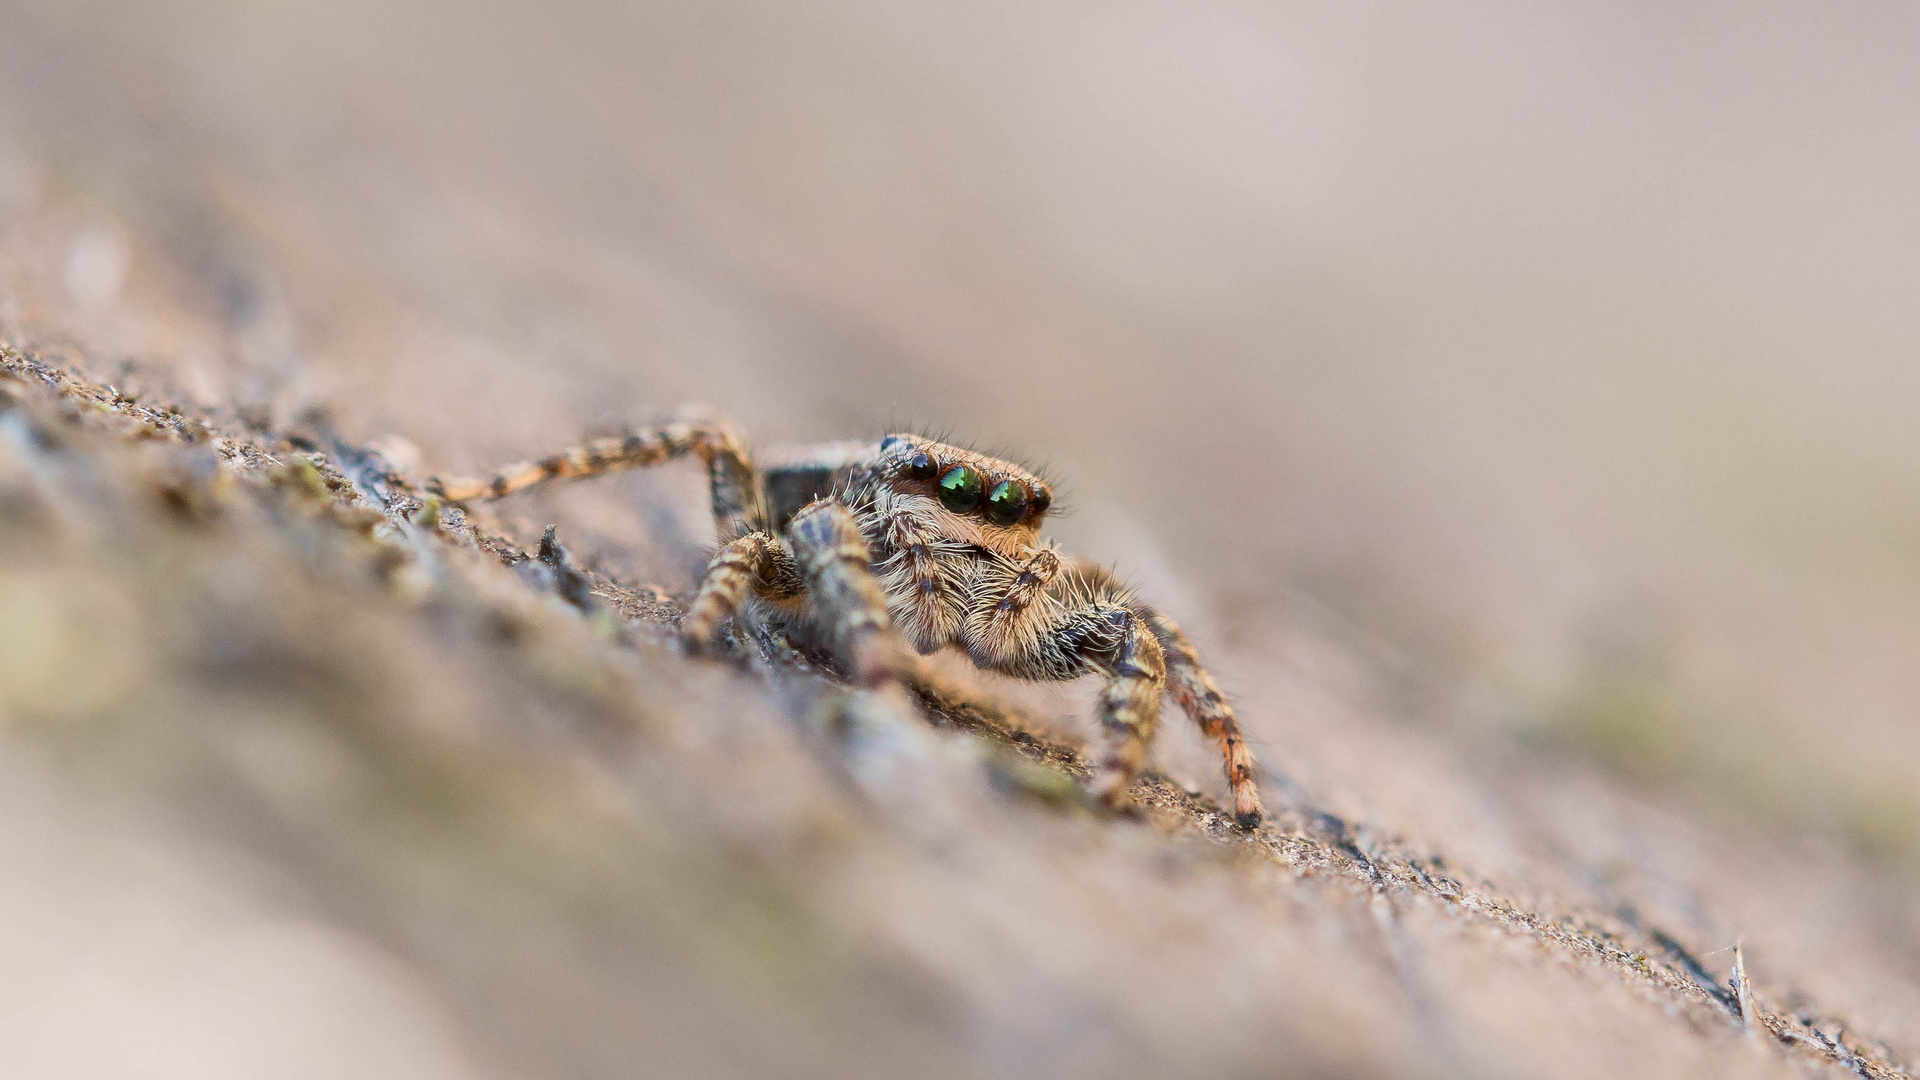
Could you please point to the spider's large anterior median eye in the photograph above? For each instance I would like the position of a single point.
(1007, 503)
(960, 489)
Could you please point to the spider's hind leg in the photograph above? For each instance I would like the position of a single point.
(735, 485)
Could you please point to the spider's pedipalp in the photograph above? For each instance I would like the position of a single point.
(925, 594)
(1003, 621)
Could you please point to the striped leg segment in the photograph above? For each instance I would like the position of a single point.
(1196, 692)
(1129, 706)
(735, 485)
(757, 562)
(838, 571)
(1087, 628)
(1089, 622)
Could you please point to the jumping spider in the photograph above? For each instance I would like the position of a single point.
(867, 548)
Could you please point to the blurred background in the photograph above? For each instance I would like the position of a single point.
(1559, 360)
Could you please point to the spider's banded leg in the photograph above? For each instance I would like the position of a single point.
(756, 561)
(1129, 704)
(1099, 634)
(1195, 690)
(735, 486)
(835, 563)
(1197, 694)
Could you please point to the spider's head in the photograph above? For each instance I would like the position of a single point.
(997, 495)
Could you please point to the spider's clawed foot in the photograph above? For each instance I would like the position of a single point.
(1247, 811)
(701, 640)
(693, 646)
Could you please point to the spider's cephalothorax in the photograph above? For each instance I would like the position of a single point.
(871, 548)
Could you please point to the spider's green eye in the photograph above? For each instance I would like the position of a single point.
(960, 489)
(1007, 503)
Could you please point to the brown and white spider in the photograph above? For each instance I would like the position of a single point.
(865, 548)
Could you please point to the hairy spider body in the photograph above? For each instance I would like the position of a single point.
(873, 549)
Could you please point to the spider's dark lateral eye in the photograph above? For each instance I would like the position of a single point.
(920, 467)
(1041, 500)
(960, 489)
(1007, 503)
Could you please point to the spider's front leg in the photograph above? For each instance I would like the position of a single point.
(850, 605)
(1191, 685)
(928, 599)
(1020, 627)
(1118, 642)
(823, 562)
(1023, 624)
(758, 562)
(1002, 622)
